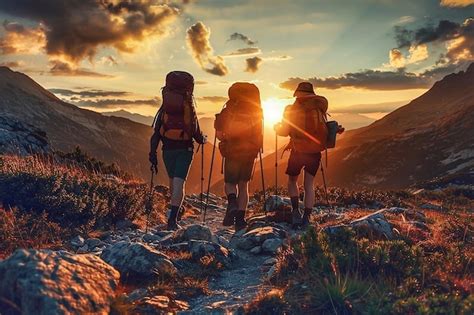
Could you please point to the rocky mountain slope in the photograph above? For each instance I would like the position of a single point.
(111, 139)
(429, 137)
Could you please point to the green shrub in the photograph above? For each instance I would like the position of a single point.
(70, 196)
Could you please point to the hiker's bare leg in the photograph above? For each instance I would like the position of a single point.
(230, 188)
(171, 186)
(177, 194)
(293, 186)
(308, 190)
(243, 197)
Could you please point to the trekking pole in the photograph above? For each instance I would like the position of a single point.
(209, 181)
(202, 178)
(325, 186)
(153, 169)
(263, 182)
(276, 163)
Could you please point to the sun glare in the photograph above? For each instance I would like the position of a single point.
(273, 110)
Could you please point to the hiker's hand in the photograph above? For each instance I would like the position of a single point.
(340, 129)
(277, 127)
(203, 139)
(153, 159)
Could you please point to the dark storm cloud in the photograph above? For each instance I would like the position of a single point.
(197, 38)
(112, 103)
(242, 37)
(76, 29)
(59, 68)
(459, 38)
(245, 51)
(253, 64)
(445, 30)
(89, 93)
(379, 80)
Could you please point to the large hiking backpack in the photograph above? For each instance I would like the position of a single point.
(307, 119)
(241, 121)
(177, 110)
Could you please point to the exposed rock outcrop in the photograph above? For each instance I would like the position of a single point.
(57, 282)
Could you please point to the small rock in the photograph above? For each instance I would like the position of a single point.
(199, 249)
(77, 241)
(256, 250)
(125, 225)
(137, 294)
(271, 245)
(93, 243)
(271, 272)
(83, 250)
(374, 225)
(138, 260)
(431, 206)
(269, 261)
(158, 302)
(150, 238)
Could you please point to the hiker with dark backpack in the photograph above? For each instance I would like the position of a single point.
(239, 127)
(305, 122)
(177, 127)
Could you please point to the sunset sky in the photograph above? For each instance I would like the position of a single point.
(106, 55)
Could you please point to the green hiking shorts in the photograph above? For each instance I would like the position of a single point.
(238, 169)
(178, 162)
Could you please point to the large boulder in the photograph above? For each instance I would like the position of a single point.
(195, 232)
(374, 225)
(138, 260)
(57, 282)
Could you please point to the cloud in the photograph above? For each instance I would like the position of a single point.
(397, 60)
(379, 80)
(75, 30)
(113, 103)
(416, 54)
(456, 3)
(212, 99)
(197, 37)
(59, 68)
(406, 19)
(200, 82)
(89, 93)
(457, 37)
(19, 39)
(253, 64)
(11, 64)
(278, 58)
(242, 37)
(245, 51)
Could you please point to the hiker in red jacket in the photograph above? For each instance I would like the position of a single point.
(176, 126)
(305, 123)
(239, 127)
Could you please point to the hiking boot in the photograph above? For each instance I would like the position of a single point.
(296, 218)
(172, 219)
(240, 222)
(232, 207)
(173, 226)
(307, 214)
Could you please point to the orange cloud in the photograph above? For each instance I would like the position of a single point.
(19, 39)
(456, 3)
(197, 38)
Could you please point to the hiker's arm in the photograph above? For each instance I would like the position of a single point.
(154, 141)
(197, 134)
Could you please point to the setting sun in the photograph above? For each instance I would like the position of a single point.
(273, 110)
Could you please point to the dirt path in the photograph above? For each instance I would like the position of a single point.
(236, 285)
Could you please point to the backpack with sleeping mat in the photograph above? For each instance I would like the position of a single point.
(176, 116)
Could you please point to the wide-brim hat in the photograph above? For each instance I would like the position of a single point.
(305, 87)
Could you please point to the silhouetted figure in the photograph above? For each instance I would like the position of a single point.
(176, 126)
(239, 127)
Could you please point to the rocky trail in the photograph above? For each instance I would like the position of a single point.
(60, 280)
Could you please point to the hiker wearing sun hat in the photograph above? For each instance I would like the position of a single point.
(305, 123)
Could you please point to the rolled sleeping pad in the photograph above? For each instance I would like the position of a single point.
(332, 126)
